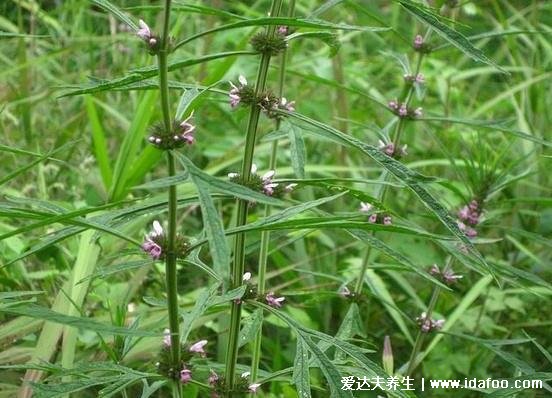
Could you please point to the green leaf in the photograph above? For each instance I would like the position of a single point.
(225, 186)
(137, 75)
(491, 125)
(99, 141)
(452, 36)
(111, 8)
(46, 314)
(212, 223)
(412, 179)
(298, 152)
(301, 373)
(250, 327)
(296, 22)
(128, 154)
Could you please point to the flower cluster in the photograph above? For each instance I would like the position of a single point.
(264, 183)
(419, 78)
(391, 150)
(274, 301)
(155, 243)
(184, 374)
(144, 32)
(218, 382)
(469, 218)
(182, 133)
(375, 218)
(265, 43)
(403, 111)
(420, 45)
(270, 104)
(447, 275)
(427, 324)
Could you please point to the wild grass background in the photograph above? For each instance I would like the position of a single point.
(483, 129)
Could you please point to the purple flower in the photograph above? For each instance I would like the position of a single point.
(144, 32)
(187, 131)
(418, 42)
(427, 324)
(167, 338)
(253, 388)
(273, 301)
(288, 106)
(213, 378)
(234, 93)
(387, 220)
(185, 376)
(268, 185)
(373, 218)
(394, 105)
(197, 348)
(403, 110)
(365, 207)
(150, 244)
(449, 277)
(345, 292)
(283, 30)
(434, 270)
(152, 248)
(388, 149)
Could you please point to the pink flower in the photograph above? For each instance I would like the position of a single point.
(273, 301)
(152, 248)
(345, 292)
(197, 348)
(373, 218)
(288, 106)
(418, 42)
(151, 245)
(393, 105)
(213, 378)
(185, 376)
(235, 91)
(387, 220)
(403, 110)
(283, 30)
(365, 207)
(187, 131)
(144, 32)
(253, 388)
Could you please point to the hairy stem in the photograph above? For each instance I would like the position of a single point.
(238, 266)
(170, 255)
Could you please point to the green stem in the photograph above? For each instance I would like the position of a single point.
(412, 363)
(265, 235)
(170, 255)
(406, 94)
(238, 268)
